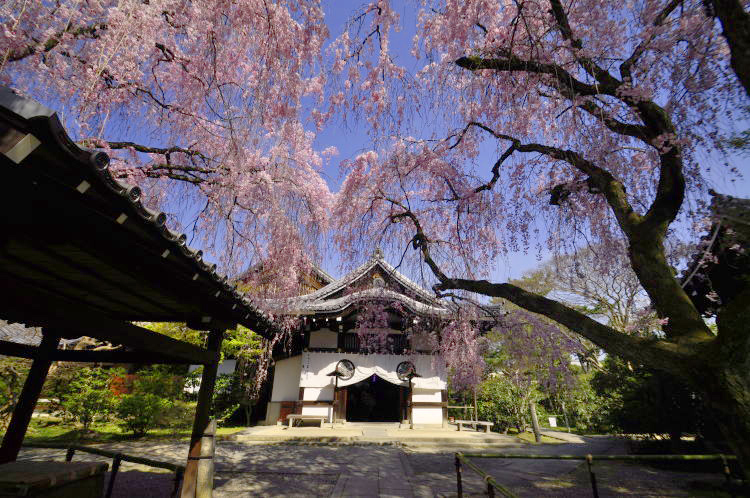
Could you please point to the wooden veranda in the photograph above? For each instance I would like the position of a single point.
(80, 255)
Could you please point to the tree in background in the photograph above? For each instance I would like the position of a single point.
(503, 399)
(603, 109)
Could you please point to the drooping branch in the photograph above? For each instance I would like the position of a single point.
(601, 75)
(625, 67)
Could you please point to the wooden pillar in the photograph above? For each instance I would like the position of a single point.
(202, 414)
(205, 478)
(32, 387)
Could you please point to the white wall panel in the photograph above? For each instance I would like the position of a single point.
(286, 379)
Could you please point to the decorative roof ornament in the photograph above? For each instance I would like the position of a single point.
(377, 254)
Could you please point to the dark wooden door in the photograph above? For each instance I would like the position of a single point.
(339, 406)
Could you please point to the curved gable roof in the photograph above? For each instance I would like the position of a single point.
(376, 263)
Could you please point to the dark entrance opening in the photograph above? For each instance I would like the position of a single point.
(374, 400)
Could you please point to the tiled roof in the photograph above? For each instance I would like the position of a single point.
(376, 259)
(19, 333)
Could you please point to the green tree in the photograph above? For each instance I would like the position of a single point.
(89, 396)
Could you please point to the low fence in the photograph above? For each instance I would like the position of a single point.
(117, 458)
(493, 486)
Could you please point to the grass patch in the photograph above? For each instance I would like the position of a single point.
(572, 430)
(55, 430)
(529, 437)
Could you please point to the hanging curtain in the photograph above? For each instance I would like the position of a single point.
(316, 367)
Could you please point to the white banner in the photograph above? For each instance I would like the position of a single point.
(317, 366)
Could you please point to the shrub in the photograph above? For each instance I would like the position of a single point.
(177, 415)
(139, 412)
(88, 396)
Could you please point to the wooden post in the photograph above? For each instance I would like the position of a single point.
(535, 422)
(205, 480)
(411, 405)
(202, 413)
(476, 409)
(444, 399)
(32, 387)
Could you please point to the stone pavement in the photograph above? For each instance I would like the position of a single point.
(373, 433)
(348, 470)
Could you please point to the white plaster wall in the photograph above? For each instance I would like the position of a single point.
(324, 338)
(318, 393)
(427, 395)
(317, 410)
(428, 415)
(273, 412)
(286, 379)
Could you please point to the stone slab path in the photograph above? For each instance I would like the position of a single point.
(296, 470)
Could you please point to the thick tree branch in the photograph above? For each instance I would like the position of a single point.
(165, 151)
(735, 23)
(54, 40)
(600, 178)
(627, 129)
(645, 234)
(511, 63)
(670, 355)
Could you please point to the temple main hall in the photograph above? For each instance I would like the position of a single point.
(357, 356)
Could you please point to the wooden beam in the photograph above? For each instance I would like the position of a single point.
(137, 357)
(19, 422)
(9, 348)
(68, 316)
(17, 350)
(425, 404)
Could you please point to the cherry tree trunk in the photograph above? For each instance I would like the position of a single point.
(728, 396)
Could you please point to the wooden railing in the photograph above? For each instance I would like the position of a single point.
(117, 458)
(493, 486)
